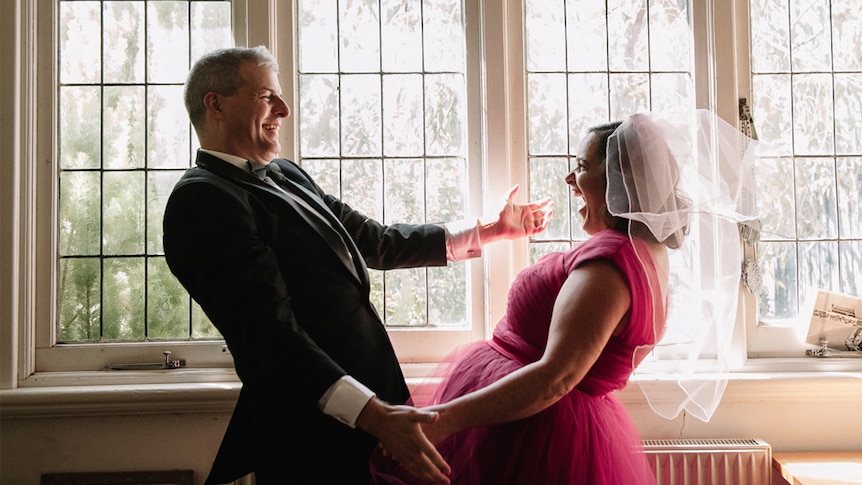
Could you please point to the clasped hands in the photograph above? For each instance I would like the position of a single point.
(399, 430)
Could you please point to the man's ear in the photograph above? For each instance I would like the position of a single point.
(212, 101)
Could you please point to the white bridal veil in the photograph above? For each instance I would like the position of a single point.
(688, 178)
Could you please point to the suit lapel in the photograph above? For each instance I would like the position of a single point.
(334, 222)
(338, 241)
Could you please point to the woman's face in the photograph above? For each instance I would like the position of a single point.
(588, 183)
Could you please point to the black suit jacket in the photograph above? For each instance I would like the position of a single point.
(294, 311)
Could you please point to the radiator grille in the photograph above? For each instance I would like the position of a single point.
(710, 461)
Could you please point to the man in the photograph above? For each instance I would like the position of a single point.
(280, 269)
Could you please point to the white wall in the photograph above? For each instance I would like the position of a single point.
(792, 413)
(31, 446)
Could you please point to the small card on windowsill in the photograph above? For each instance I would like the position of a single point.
(835, 324)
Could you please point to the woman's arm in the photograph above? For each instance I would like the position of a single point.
(591, 304)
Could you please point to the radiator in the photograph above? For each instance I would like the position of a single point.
(710, 461)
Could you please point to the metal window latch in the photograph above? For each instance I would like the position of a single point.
(825, 351)
(167, 364)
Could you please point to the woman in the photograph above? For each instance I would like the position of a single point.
(535, 404)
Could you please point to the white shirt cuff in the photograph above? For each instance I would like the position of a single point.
(462, 240)
(345, 399)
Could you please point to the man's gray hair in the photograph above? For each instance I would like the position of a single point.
(219, 72)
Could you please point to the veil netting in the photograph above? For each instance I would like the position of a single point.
(687, 180)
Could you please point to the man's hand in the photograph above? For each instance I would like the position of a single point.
(516, 221)
(399, 430)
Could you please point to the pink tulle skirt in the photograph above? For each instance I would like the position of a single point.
(582, 439)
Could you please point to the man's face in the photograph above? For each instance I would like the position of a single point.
(252, 116)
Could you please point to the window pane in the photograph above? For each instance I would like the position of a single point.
(401, 36)
(812, 114)
(445, 118)
(121, 115)
(80, 212)
(79, 283)
(447, 296)
(319, 123)
(80, 127)
(360, 111)
(123, 213)
(811, 45)
(402, 115)
(806, 114)
(849, 175)
(778, 267)
(443, 36)
(582, 19)
(404, 198)
(818, 268)
(123, 313)
(848, 105)
(359, 31)
(770, 36)
(546, 35)
(446, 189)
(317, 26)
(627, 26)
(670, 49)
(124, 127)
(846, 36)
(851, 270)
(776, 182)
(123, 42)
(364, 187)
(546, 98)
(79, 49)
(167, 36)
(406, 298)
(383, 125)
(771, 102)
(816, 205)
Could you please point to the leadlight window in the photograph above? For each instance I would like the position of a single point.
(123, 141)
(588, 63)
(806, 59)
(383, 125)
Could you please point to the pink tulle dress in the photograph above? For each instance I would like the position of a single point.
(585, 438)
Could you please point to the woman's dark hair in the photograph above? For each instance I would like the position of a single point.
(602, 133)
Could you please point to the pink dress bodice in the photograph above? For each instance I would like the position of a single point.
(523, 332)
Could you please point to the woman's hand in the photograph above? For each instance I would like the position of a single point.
(440, 428)
(516, 221)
